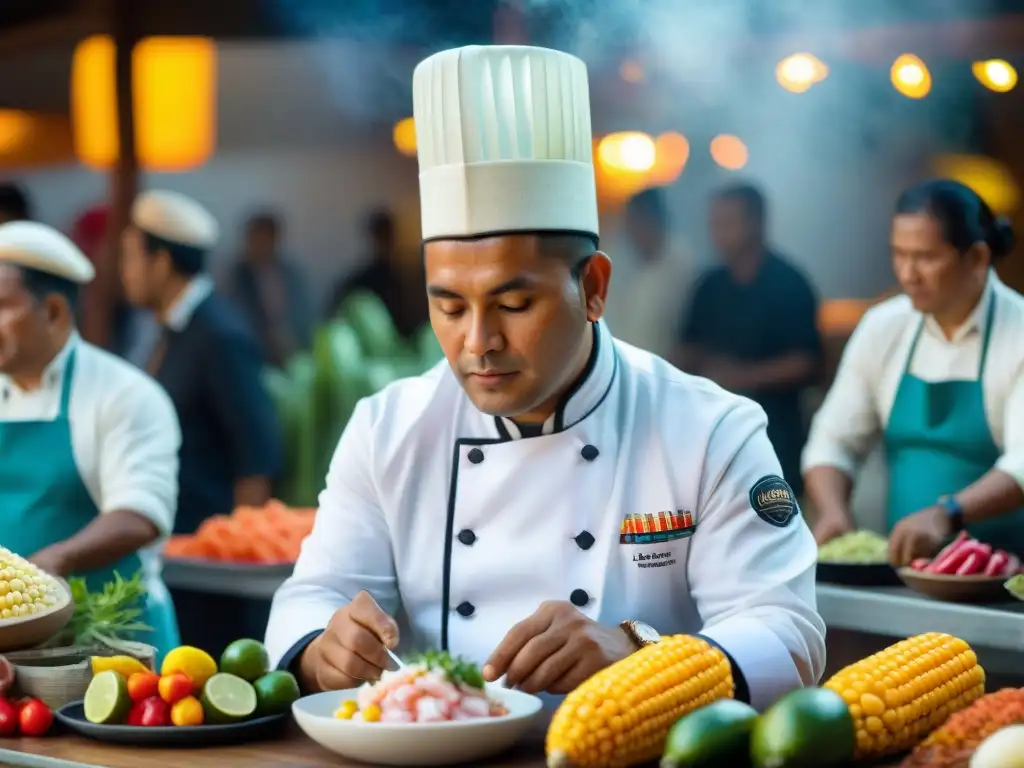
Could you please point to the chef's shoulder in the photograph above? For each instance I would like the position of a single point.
(117, 389)
(409, 409)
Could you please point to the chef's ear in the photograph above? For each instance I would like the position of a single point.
(596, 278)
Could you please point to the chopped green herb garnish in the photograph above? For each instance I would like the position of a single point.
(455, 668)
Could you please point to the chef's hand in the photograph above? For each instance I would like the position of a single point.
(555, 650)
(52, 560)
(351, 650)
(922, 534)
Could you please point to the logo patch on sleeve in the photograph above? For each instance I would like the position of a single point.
(773, 500)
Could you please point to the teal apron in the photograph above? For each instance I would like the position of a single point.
(43, 501)
(938, 442)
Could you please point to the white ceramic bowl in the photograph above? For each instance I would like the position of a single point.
(448, 743)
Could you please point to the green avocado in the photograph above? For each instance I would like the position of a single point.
(715, 735)
(808, 728)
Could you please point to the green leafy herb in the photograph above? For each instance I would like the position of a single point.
(108, 617)
(455, 668)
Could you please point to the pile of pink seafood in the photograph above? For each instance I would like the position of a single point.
(418, 694)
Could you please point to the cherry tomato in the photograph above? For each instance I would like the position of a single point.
(143, 685)
(174, 688)
(135, 715)
(35, 718)
(155, 712)
(8, 718)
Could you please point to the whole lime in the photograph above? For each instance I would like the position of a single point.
(275, 692)
(246, 658)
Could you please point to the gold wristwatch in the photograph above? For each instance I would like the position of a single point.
(641, 634)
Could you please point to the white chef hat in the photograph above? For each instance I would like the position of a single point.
(176, 218)
(37, 246)
(504, 142)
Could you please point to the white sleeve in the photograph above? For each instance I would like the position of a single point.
(138, 443)
(752, 563)
(847, 425)
(1012, 460)
(349, 549)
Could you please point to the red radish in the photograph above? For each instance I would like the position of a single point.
(1012, 566)
(997, 563)
(921, 564)
(973, 565)
(950, 548)
(956, 558)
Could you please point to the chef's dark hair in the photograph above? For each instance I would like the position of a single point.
(187, 260)
(574, 248)
(41, 284)
(964, 218)
(14, 202)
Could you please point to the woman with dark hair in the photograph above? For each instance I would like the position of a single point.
(938, 374)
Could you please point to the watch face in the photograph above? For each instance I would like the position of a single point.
(645, 632)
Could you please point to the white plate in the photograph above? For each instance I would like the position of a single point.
(449, 743)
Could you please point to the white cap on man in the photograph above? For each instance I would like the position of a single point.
(37, 246)
(176, 218)
(504, 142)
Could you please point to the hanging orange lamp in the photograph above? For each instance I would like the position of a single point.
(174, 97)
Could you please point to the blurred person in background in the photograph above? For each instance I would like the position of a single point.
(402, 294)
(88, 443)
(14, 204)
(211, 365)
(751, 325)
(651, 280)
(272, 291)
(134, 332)
(938, 375)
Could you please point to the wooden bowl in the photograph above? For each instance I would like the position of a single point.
(956, 589)
(30, 631)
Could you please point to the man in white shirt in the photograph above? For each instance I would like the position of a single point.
(88, 444)
(546, 500)
(652, 277)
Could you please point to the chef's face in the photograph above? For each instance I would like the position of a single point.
(25, 323)
(931, 271)
(513, 319)
(140, 271)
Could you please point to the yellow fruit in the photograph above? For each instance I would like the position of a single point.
(371, 714)
(197, 664)
(188, 711)
(125, 666)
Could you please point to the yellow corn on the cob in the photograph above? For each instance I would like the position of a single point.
(622, 715)
(901, 694)
(24, 589)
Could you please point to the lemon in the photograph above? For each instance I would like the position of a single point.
(197, 665)
(125, 666)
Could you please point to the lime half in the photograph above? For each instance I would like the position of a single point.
(106, 699)
(1015, 586)
(228, 698)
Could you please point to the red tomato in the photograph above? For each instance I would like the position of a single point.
(35, 718)
(174, 688)
(155, 712)
(135, 715)
(143, 685)
(8, 718)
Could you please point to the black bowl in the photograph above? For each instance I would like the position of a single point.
(850, 575)
(72, 716)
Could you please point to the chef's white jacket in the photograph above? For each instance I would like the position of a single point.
(856, 410)
(460, 528)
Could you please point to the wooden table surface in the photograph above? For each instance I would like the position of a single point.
(294, 750)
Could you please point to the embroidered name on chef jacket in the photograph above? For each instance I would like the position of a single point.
(774, 501)
(656, 528)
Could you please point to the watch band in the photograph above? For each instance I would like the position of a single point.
(954, 512)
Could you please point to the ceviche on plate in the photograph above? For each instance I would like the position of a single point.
(431, 688)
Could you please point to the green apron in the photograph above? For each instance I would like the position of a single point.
(938, 442)
(44, 501)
